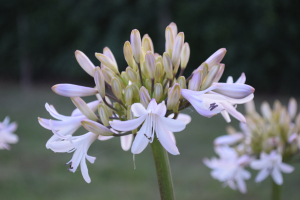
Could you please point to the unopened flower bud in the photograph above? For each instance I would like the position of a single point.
(169, 40)
(130, 116)
(179, 40)
(182, 82)
(195, 82)
(128, 54)
(116, 88)
(96, 128)
(135, 40)
(148, 85)
(70, 90)
(220, 72)
(84, 108)
(131, 74)
(99, 81)
(136, 91)
(85, 62)
(117, 106)
(174, 96)
(143, 55)
(158, 72)
(103, 115)
(174, 28)
(109, 54)
(185, 55)
(159, 59)
(107, 74)
(176, 107)
(144, 97)
(167, 62)
(107, 62)
(266, 110)
(128, 95)
(208, 80)
(216, 58)
(292, 107)
(204, 68)
(147, 43)
(150, 64)
(125, 78)
(145, 70)
(158, 92)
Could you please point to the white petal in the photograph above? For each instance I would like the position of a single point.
(216, 57)
(229, 108)
(127, 125)
(12, 127)
(242, 79)
(139, 144)
(229, 79)
(138, 110)
(266, 110)
(126, 142)
(103, 138)
(6, 121)
(70, 90)
(240, 101)
(161, 109)
(165, 138)
(61, 146)
(171, 124)
(277, 176)
(84, 170)
(225, 115)
(246, 174)
(54, 113)
(262, 175)
(182, 117)
(292, 107)
(241, 185)
(286, 168)
(152, 105)
(228, 139)
(259, 164)
(234, 90)
(85, 63)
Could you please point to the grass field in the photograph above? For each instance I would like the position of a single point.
(30, 171)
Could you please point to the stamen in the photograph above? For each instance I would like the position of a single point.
(212, 106)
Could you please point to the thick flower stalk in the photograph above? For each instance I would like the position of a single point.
(142, 104)
(7, 135)
(271, 140)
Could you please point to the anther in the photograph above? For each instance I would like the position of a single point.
(212, 106)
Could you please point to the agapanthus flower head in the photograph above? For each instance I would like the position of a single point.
(136, 104)
(7, 135)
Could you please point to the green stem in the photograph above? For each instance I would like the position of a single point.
(276, 190)
(163, 171)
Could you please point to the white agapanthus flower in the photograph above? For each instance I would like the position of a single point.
(7, 135)
(64, 125)
(77, 144)
(271, 164)
(154, 122)
(229, 168)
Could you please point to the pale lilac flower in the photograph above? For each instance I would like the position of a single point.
(64, 125)
(7, 135)
(271, 164)
(229, 168)
(154, 122)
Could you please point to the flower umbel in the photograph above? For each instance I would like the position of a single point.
(7, 135)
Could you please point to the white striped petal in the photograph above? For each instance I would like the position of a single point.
(138, 110)
(161, 109)
(226, 116)
(234, 90)
(182, 117)
(172, 124)
(229, 79)
(165, 138)
(231, 110)
(277, 176)
(127, 125)
(126, 141)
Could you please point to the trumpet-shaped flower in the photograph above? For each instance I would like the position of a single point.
(6, 133)
(229, 168)
(154, 122)
(64, 125)
(271, 164)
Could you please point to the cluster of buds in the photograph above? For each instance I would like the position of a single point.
(144, 101)
(7, 135)
(265, 141)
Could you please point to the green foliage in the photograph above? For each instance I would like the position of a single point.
(262, 37)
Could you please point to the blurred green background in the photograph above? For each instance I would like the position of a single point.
(37, 44)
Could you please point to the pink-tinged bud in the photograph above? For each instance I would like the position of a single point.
(174, 96)
(96, 128)
(85, 62)
(195, 82)
(167, 62)
(144, 97)
(216, 58)
(70, 90)
(84, 108)
(185, 55)
(236, 91)
(147, 43)
(178, 44)
(135, 40)
(99, 81)
(107, 62)
(150, 64)
(169, 40)
(174, 28)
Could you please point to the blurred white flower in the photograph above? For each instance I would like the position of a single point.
(6, 133)
(154, 121)
(271, 164)
(229, 168)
